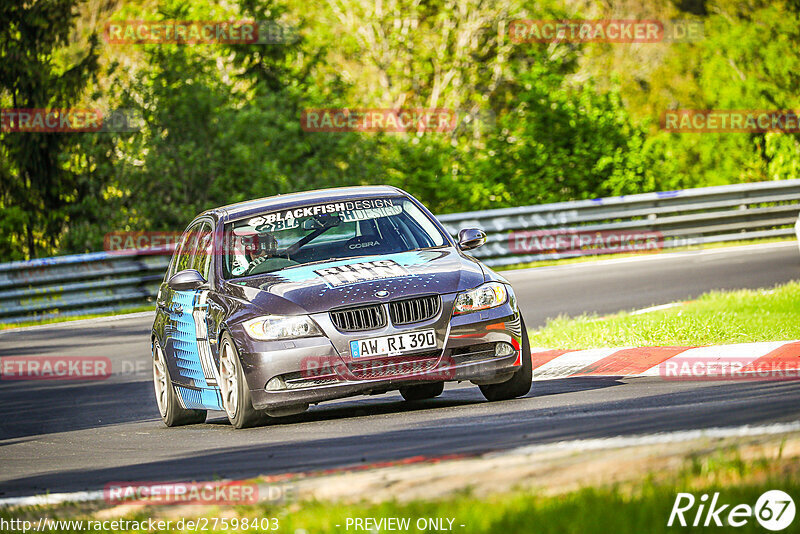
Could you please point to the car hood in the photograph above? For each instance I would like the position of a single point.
(319, 287)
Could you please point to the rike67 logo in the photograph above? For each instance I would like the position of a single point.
(774, 510)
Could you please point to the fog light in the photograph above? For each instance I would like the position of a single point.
(503, 349)
(275, 384)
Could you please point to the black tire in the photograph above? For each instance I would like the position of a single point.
(422, 391)
(236, 398)
(169, 407)
(520, 383)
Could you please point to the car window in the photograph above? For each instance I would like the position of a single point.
(183, 254)
(201, 258)
(326, 231)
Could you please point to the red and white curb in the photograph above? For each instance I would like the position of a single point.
(773, 359)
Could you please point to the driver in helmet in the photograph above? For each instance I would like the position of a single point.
(263, 247)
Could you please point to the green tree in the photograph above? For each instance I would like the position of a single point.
(37, 184)
(562, 143)
(222, 125)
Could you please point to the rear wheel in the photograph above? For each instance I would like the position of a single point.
(235, 393)
(167, 399)
(422, 391)
(520, 383)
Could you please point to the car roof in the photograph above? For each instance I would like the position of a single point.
(292, 200)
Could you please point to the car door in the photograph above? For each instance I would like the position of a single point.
(167, 310)
(187, 345)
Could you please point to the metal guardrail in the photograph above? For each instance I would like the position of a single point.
(103, 281)
(686, 217)
(78, 284)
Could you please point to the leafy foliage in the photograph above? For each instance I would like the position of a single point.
(537, 122)
(38, 185)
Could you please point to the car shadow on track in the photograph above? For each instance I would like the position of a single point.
(37, 408)
(560, 386)
(392, 402)
(498, 426)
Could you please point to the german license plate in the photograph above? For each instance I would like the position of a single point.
(393, 345)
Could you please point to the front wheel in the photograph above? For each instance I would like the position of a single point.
(235, 393)
(172, 413)
(520, 383)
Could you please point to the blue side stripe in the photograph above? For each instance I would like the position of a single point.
(200, 399)
(187, 357)
(184, 340)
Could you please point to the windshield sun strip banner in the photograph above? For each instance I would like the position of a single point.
(351, 210)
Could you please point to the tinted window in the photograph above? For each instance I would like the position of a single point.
(183, 254)
(324, 232)
(201, 259)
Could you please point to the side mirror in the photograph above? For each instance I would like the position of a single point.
(470, 238)
(186, 280)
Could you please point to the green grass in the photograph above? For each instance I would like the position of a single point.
(714, 318)
(51, 320)
(587, 511)
(585, 259)
(642, 506)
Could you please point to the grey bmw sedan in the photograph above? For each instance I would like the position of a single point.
(272, 305)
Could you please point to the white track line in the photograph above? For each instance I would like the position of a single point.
(52, 498)
(658, 439)
(656, 308)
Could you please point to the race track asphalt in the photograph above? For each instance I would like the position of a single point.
(69, 436)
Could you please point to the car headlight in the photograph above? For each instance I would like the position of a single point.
(274, 327)
(488, 295)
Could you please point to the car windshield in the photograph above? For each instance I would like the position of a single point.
(326, 231)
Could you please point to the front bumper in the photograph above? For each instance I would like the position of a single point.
(311, 370)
